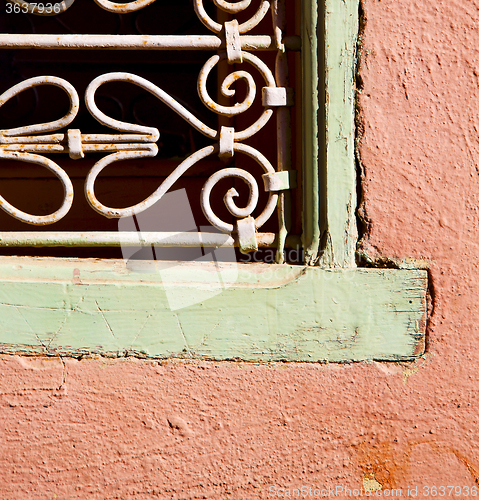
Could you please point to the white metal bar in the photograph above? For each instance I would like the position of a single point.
(283, 129)
(129, 239)
(139, 42)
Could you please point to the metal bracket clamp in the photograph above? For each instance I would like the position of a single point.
(280, 181)
(277, 96)
(74, 144)
(246, 235)
(233, 42)
(226, 142)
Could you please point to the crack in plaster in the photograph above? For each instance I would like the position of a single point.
(188, 349)
(105, 320)
(141, 329)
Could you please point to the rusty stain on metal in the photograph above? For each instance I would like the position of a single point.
(40, 220)
(250, 181)
(247, 240)
(123, 8)
(131, 239)
(231, 8)
(140, 42)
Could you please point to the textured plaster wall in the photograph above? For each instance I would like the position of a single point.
(118, 429)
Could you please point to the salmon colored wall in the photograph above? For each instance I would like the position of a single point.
(102, 428)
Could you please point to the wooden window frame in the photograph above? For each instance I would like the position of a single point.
(325, 310)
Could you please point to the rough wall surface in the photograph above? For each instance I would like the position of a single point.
(118, 429)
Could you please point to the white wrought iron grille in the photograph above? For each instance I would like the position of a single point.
(233, 43)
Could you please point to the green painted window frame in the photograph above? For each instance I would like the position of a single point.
(329, 47)
(326, 310)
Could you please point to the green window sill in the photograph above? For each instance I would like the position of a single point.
(266, 312)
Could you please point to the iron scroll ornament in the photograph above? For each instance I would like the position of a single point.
(138, 141)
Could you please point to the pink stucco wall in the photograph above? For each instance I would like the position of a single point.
(118, 429)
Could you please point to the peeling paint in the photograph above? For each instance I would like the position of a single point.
(370, 484)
